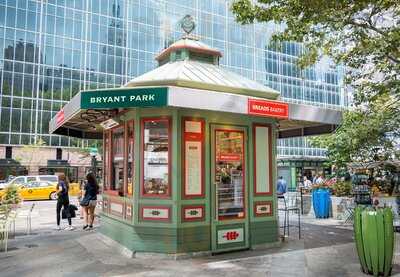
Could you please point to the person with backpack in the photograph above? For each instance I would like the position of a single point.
(63, 201)
(89, 200)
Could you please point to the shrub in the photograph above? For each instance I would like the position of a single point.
(342, 188)
(11, 195)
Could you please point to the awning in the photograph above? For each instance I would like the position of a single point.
(9, 163)
(81, 117)
(58, 163)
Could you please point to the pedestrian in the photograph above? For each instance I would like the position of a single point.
(89, 200)
(281, 186)
(63, 201)
(306, 183)
(320, 180)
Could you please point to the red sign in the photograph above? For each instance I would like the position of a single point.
(268, 108)
(60, 116)
(231, 235)
(229, 157)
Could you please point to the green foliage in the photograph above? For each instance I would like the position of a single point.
(364, 36)
(366, 134)
(11, 195)
(342, 188)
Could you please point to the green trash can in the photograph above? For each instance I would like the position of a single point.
(374, 235)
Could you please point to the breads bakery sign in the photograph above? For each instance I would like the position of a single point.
(268, 108)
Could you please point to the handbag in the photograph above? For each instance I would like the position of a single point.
(84, 202)
(71, 210)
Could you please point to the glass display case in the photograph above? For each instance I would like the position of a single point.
(155, 156)
(117, 180)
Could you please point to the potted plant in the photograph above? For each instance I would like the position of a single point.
(341, 199)
(374, 235)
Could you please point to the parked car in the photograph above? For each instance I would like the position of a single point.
(37, 190)
(74, 188)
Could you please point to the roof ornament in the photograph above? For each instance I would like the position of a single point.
(187, 24)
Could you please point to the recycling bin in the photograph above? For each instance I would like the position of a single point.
(374, 235)
(321, 199)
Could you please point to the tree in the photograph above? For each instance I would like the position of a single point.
(366, 134)
(362, 35)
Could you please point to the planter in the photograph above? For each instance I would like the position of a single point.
(373, 229)
(339, 206)
(321, 199)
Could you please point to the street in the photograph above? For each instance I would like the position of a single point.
(324, 250)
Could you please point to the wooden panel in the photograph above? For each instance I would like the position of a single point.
(263, 208)
(193, 158)
(105, 205)
(117, 208)
(262, 148)
(155, 213)
(192, 213)
(263, 232)
(128, 212)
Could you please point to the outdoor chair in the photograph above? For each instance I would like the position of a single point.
(12, 215)
(348, 215)
(290, 203)
(27, 215)
(4, 229)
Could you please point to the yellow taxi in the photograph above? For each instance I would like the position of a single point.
(42, 190)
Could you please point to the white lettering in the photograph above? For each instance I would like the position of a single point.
(123, 98)
(144, 97)
(151, 97)
(92, 99)
(116, 99)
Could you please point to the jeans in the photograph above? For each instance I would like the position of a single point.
(63, 202)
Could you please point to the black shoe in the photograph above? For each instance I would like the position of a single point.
(86, 226)
(90, 227)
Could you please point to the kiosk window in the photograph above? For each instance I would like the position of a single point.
(156, 138)
(117, 180)
(130, 160)
(229, 172)
(106, 159)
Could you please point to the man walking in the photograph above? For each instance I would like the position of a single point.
(281, 186)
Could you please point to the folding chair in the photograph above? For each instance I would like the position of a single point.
(290, 203)
(27, 215)
(4, 229)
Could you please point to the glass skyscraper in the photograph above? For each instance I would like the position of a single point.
(52, 49)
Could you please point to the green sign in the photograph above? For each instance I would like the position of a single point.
(124, 98)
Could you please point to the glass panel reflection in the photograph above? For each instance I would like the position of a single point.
(155, 157)
(229, 172)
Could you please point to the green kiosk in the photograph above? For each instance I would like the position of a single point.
(189, 156)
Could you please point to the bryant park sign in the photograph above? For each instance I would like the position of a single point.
(124, 98)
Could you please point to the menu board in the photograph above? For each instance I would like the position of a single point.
(193, 158)
(193, 164)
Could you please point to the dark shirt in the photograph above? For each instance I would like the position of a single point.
(91, 191)
(64, 189)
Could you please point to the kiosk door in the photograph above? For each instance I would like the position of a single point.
(229, 226)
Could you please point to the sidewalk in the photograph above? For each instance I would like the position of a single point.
(322, 251)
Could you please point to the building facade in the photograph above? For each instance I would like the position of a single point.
(53, 49)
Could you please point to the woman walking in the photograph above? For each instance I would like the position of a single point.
(89, 200)
(63, 201)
